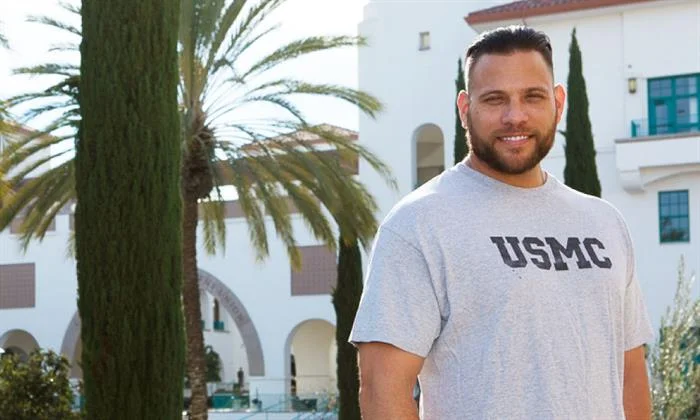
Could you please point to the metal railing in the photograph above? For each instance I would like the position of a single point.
(309, 406)
(641, 127)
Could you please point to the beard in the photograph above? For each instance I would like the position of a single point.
(484, 148)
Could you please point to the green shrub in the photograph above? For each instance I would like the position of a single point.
(674, 368)
(38, 389)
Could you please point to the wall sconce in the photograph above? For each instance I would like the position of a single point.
(632, 84)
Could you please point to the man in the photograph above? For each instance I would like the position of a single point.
(509, 295)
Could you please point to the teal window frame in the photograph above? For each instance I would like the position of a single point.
(671, 99)
(674, 206)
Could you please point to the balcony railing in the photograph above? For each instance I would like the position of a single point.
(641, 128)
(218, 325)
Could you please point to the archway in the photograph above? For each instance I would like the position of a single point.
(18, 342)
(311, 346)
(227, 299)
(428, 152)
(230, 302)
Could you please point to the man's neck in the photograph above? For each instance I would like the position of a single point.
(533, 178)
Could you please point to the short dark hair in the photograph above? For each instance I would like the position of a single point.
(507, 40)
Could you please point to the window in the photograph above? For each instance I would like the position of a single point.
(674, 103)
(318, 272)
(424, 41)
(17, 286)
(674, 222)
(218, 322)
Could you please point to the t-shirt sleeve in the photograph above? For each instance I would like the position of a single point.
(638, 329)
(398, 304)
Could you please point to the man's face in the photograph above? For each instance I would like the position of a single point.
(511, 111)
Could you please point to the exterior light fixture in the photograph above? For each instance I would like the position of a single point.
(632, 84)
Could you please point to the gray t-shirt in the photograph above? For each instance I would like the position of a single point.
(522, 301)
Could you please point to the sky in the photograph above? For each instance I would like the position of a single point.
(30, 43)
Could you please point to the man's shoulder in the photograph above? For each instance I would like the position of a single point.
(430, 200)
(596, 207)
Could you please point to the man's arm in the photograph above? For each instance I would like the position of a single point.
(636, 397)
(387, 377)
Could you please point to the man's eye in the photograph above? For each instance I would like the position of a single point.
(534, 97)
(494, 100)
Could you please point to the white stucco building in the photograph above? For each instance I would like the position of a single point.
(641, 61)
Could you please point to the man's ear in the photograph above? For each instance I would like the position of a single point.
(463, 106)
(559, 100)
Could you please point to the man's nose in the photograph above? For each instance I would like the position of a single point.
(515, 114)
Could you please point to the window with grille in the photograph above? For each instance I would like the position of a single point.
(674, 104)
(674, 219)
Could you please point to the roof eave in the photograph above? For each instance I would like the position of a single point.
(477, 18)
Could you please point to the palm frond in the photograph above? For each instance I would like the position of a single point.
(214, 226)
(343, 144)
(276, 207)
(43, 217)
(66, 46)
(272, 99)
(34, 200)
(230, 60)
(251, 209)
(72, 8)
(49, 69)
(366, 102)
(247, 27)
(26, 170)
(45, 20)
(222, 27)
(299, 48)
(296, 186)
(207, 16)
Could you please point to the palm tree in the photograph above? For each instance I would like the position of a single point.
(268, 159)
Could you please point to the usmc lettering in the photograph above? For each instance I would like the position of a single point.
(548, 252)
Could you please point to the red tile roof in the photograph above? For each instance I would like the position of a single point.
(528, 8)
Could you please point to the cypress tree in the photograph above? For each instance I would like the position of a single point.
(461, 148)
(128, 215)
(580, 172)
(346, 299)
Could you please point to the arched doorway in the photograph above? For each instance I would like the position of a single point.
(429, 153)
(209, 284)
(311, 358)
(18, 342)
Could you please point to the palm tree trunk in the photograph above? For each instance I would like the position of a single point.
(346, 299)
(196, 366)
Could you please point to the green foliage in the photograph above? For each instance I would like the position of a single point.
(674, 360)
(128, 214)
(580, 172)
(461, 148)
(36, 200)
(346, 299)
(213, 361)
(37, 389)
